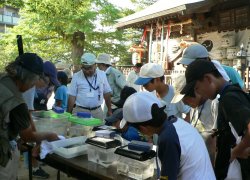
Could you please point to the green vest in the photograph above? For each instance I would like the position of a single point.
(10, 97)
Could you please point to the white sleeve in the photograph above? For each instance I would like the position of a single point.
(106, 86)
(72, 89)
(28, 97)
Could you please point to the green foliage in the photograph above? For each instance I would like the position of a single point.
(49, 28)
(141, 4)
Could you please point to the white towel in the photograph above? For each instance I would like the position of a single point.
(46, 148)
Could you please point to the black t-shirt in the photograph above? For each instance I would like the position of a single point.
(234, 107)
(19, 120)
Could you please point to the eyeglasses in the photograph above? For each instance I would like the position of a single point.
(86, 68)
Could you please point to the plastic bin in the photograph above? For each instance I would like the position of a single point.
(69, 148)
(101, 150)
(104, 157)
(135, 169)
(49, 121)
(83, 126)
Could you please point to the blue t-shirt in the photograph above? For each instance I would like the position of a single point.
(61, 94)
(233, 75)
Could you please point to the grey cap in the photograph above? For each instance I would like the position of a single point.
(193, 52)
(88, 59)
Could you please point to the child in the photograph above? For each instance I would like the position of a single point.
(233, 116)
(61, 96)
(181, 149)
(127, 132)
(152, 79)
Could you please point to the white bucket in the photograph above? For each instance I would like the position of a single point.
(228, 40)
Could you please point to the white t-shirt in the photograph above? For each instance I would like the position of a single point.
(29, 96)
(175, 109)
(131, 78)
(85, 95)
(195, 162)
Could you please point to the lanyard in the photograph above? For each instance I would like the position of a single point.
(90, 84)
(199, 115)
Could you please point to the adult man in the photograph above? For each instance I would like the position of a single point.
(233, 117)
(152, 78)
(181, 150)
(133, 75)
(88, 88)
(115, 77)
(28, 96)
(21, 75)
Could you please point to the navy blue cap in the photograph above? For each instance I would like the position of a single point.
(31, 62)
(125, 93)
(50, 70)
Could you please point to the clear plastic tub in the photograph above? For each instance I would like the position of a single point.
(80, 130)
(104, 157)
(83, 126)
(135, 169)
(49, 121)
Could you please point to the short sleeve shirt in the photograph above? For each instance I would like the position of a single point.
(116, 81)
(183, 153)
(131, 78)
(29, 96)
(19, 120)
(61, 94)
(80, 89)
(175, 109)
(234, 107)
(233, 75)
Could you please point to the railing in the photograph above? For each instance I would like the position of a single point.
(11, 20)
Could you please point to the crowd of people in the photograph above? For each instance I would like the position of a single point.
(200, 123)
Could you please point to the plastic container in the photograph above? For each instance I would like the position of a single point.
(101, 150)
(49, 121)
(58, 110)
(83, 126)
(135, 169)
(80, 130)
(83, 114)
(69, 148)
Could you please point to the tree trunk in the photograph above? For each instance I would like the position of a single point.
(77, 46)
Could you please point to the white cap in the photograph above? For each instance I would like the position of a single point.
(88, 59)
(103, 59)
(137, 107)
(149, 71)
(221, 70)
(193, 52)
(179, 83)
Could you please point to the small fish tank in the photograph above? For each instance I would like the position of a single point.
(101, 150)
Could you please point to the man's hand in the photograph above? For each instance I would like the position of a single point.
(109, 113)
